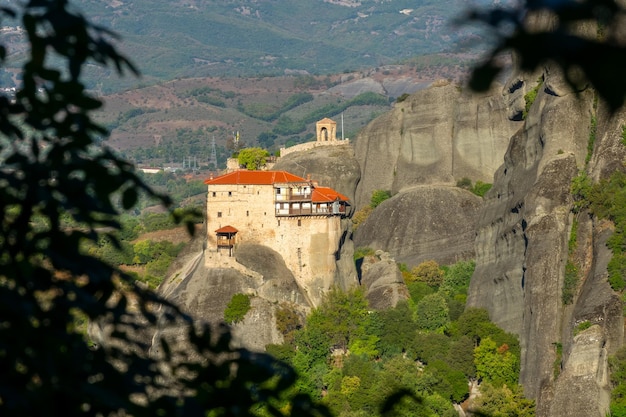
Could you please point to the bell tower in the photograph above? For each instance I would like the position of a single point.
(326, 130)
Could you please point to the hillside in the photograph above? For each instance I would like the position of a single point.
(210, 38)
(163, 124)
(215, 38)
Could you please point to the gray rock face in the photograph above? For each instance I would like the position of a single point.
(422, 223)
(382, 279)
(279, 284)
(204, 292)
(436, 136)
(522, 249)
(585, 377)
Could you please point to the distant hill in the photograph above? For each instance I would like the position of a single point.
(173, 121)
(171, 39)
(267, 69)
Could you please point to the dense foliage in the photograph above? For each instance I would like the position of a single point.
(252, 158)
(617, 366)
(353, 358)
(237, 308)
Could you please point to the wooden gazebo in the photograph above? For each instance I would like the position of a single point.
(225, 237)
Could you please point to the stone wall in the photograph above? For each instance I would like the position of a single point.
(311, 145)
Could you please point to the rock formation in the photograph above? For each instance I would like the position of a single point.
(522, 249)
(519, 233)
(424, 222)
(382, 280)
(436, 136)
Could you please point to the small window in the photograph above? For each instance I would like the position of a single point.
(219, 214)
(247, 213)
(213, 193)
(279, 222)
(299, 222)
(278, 191)
(230, 193)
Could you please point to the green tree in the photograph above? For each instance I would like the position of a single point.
(253, 158)
(429, 272)
(429, 347)
(237, 308)
(52, 163)
(432, 312)
(342, 317)
(457, 277)
(396, 330)
(503, 401)
(378, 196)
(496, 364)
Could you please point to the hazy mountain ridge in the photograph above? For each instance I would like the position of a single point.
(216, 38)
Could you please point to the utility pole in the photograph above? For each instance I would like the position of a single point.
(213, 160)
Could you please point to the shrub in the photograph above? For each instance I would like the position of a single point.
(582, 326)
(429, 272)
(362, 252)
(530, 97)
(360, 216)
(481, 188)
(378, 196)
(237, 308)
(402, 98)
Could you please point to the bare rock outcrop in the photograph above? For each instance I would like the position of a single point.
(522, 251)
(279, 284)
(382, 280)
(422, 223)
(204, 289)
(436, 136)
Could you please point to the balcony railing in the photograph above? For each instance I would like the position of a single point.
(292, 197)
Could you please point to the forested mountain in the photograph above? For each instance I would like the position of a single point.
(225, 38)
(198, 38)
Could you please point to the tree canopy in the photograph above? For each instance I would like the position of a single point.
(597, 58)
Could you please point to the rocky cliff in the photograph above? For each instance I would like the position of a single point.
(203, 281)
(522, 250)
(424, 222)
(436, 136)
(419, 151)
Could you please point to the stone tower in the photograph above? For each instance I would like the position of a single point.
(326, 130)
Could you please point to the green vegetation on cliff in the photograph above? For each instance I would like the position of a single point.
(352, 358)
(237, 308)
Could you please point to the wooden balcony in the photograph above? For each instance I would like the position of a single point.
(226, 243)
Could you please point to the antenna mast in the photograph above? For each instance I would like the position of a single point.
(213, 160)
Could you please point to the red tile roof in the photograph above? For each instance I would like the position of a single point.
(325, 194)
(255, 177)
(226, 229)
(319, 194)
